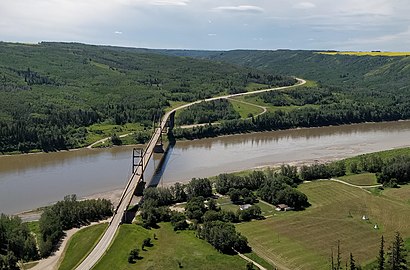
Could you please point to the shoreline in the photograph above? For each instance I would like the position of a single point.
(114, 195)
(204, 138)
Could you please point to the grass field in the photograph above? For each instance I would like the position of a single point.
(100, 131)
(34, 227)
(169, 248)
(255, 99)
(374, 53)
(80, 245)
(255, 86)
(401, 194)
(304, 240)
(245, 109)
(363, 179)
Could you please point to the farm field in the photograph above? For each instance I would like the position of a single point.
(169, 249)
(402, 194)
(374, 53)
(363, 179)
(304, 240)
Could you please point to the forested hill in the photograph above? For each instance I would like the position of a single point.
(345, 89)
(51, 92)
(340, 70)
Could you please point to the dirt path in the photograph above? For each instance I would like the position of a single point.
(356, 186)
(106, 139)
(264, 109)
(252, 261)
(52, 262)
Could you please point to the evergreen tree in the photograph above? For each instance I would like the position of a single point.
(352, 263)
(381, 259)
(397, 254)
(338, 259)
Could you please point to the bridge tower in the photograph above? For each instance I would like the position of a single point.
(138, 161)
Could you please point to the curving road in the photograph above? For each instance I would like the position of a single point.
(132, 183)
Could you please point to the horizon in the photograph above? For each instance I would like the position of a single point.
(352, 25)
(209, 50)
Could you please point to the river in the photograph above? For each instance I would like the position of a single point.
(33, 180)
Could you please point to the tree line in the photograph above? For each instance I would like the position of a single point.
(273, 187)
(67, 214)
(394, 258)
(323, 115)
(16, 243)
(207, 112)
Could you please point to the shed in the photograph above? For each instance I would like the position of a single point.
(283, 207)
(244, 207)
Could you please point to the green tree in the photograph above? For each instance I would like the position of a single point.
(199, 187)
(195, 208)
(352, 263)
(381, 258)
(234, 195)
(116, 140)
(250, 266)
(397, 254)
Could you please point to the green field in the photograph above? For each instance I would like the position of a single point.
(401, 194)
(363, 179)
(80, 245)
(255, 86)
(255, 99)
(374, 53)
(169, 248)
(245, 109)
(304, 240)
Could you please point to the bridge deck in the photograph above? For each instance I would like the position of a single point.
(133, 181)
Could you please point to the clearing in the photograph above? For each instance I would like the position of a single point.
(169, 250)
(363, 179)
(80, 245)
(304, 240)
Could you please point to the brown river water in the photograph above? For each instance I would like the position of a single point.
(33, 180)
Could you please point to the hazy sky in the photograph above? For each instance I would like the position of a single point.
(212, 24)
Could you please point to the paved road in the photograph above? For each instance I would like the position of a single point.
(132, 183)
(125, 200)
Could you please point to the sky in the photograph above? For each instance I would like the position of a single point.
(359, 25)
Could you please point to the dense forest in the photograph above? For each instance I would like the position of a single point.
(207, 112)
(51, 92)
(16, 242)
(349, 89)
(67, 214)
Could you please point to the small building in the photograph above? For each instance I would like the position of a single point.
(244, 207)
(364, 217)
(283, 207)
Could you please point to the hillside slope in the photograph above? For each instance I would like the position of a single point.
(50, 92)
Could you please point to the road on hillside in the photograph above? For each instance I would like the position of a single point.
(128, 192)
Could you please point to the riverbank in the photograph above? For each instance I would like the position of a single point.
(114, 195)
(88, 172)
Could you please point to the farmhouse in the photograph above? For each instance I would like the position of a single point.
(283, 207)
